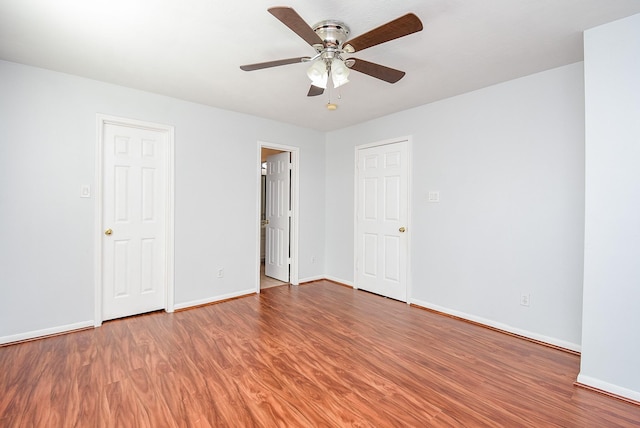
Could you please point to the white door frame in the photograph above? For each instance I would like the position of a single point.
(101, 121)
(295, 208)
(278, 217)
(408, 139)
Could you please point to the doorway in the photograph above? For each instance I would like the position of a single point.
(277, 215)
(134, 212)
(382, 218)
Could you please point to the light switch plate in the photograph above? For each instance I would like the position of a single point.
(433, 196)
(85, 191)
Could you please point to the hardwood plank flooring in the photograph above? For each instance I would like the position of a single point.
(317, 355)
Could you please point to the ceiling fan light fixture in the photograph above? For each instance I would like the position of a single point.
(318, 74)
(339, 73)
(330, 39)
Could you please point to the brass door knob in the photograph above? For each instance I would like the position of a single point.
(108, 232)
(402, 229)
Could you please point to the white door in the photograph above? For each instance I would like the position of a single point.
(381, 220)
(278, 212)
(134, 218)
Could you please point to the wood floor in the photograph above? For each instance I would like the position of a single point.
(317, 355)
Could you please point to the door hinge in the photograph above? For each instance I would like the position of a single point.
(289, 261)
(290, 165)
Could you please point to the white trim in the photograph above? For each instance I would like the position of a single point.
(101, 121)
(609, 387)
(295, 208)
(409, 140)
(97, 242)
(311, 279)
(383, 142)
(206, 301)
(500, 326)
(45, 332)
(355, 213)
(328, 278)
(341, 281)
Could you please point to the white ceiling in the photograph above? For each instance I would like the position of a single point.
(193, 49)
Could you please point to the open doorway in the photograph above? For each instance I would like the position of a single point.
(278, 207)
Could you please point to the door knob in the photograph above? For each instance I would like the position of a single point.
(402, 229)
(108, 232)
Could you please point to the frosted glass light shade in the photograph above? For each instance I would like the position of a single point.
(339, 73)
(318, 74)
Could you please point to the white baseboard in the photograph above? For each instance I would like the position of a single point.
(340, 280)
(208, 300)
(45, 332)
(609, 387)
(500, 326)
(311, 279)
(328, 278)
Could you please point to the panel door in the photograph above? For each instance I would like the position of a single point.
(278, 212)
(134, 218)
(381, 220)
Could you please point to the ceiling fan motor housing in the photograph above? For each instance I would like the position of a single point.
(333, 33)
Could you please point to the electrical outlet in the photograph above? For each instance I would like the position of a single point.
(313, 259)
(221, 273)
(525, 299)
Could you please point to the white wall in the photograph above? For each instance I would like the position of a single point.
(611, 315)
(47, 148)
(508, 162)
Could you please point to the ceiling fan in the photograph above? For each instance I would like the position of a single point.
(329, 39)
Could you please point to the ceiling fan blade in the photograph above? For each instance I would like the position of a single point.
(314, 91)
(395, 29)
(261, 65)
(291, 19)
(378, 71)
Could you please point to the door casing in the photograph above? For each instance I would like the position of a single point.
(295, 209)
(408, 140)
(101, 121)
(275, 214)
